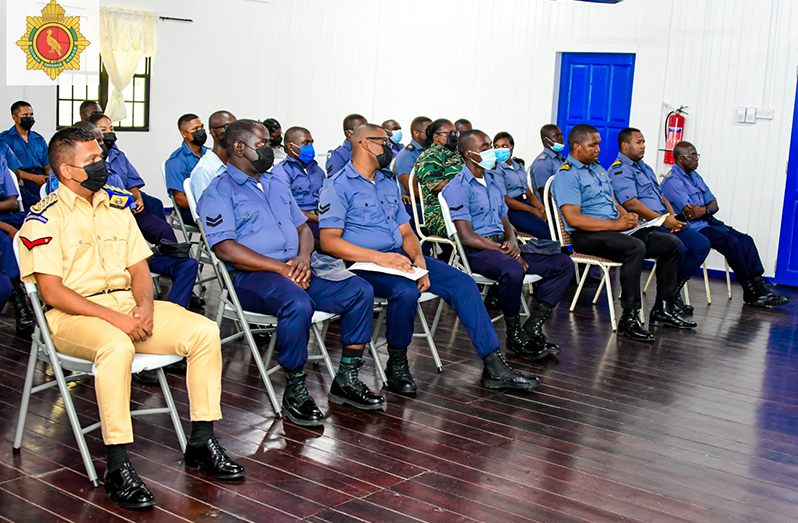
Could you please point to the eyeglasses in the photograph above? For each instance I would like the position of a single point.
(375, 139)
(694, 156)
(450, 133)
(221, 127)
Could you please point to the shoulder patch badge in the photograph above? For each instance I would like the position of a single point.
(565, 167)
(410, 147)
(35, 212)
(35, 243)
(616, 164)
(118, 198)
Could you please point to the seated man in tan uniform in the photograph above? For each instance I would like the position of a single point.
(82, 246)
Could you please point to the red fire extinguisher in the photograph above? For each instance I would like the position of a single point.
(674, 131)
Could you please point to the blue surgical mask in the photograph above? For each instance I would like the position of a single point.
(557, 146)
(396, 136)
(306, 153)
(487, 159)
(502, 154)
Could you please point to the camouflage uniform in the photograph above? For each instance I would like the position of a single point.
(435, 165)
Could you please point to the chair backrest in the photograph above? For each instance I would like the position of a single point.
(554, 216)
(192, 206)
(451, 231)
(30, 288)
(412, 184)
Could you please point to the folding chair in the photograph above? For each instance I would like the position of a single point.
(461, 261)
(554, 216)
(20, 205)
(418, 221)
(231, 309)
(42, 348)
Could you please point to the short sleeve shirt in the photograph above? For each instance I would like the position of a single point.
(337, 158)
(511, 179)
(32, 154)
(8, 182)
(119, 164)
(636, 180)
(544, 167)
(482, 205)
(586, 186)
(305, 182)
(683, 189)
(11, 159)
(179, 167)
(208, 167)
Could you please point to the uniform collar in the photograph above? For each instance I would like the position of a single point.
(114, 151)
(640, 164)
(680, 172)
(469, 176)
(417, 145)
(512, 167)
(239, 176)
(551, 153)
(69, 197)
(346, 145)
(353, 173)
(13, 131)
(213, 160)
(576, 163)
(187, 150)
(295, 162)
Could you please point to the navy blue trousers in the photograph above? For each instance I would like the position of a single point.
(529, 223)
(456, 288)
(8, 263)
(695, 248)
(13, 218)
(153, 205)
(738, 248)
(183, 273)
(153, 228)
(556, 270)
(186, 214)
(5, 290)
(30, 192)
(274, 294)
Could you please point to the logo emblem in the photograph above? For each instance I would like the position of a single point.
(53, 41)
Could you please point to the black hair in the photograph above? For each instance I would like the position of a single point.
(351, 120)
(239, 131)
(87, 103)
(85, 124)
(96, 117)
(418, 121)
(436, 126)
(183, 120)
(271, 125)
(63, 144)
(625, 136)
(464, 140)
(580, 133)
(681, 148)
(16, 106)
(462, 121)
(504, 134)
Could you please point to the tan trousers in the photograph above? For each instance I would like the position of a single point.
(175, 331)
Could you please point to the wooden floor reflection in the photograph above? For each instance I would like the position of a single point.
(701, 426)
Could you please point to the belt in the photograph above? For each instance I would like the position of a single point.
(106, 291)
(521, 198)
(312, 211)
(498, 238)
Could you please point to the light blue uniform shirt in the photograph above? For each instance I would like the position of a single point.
(683, 189)
(207, 169)
(8, 155)
(636, 180)
(369, 213)
(469, 200)
(234, 208)
(305, 183)
(337, 158)
(32, 155)
(179, 166)
(119, 164)
(544, 167)
(586, 186)
(511, 179)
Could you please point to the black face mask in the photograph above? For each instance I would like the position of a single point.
(26, 122)
(105, 150)
(221, 139)
(96, 175)
(385, 157)
(199, 137)
(109, 139)
(451, 142)
(275, 142)
(265, 159)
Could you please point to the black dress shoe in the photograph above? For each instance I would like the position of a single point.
(148, 378)
(681, 307)
(400, 381)
(126, 488)
(497, 374)
(212, 458)
(629, 326)
(664, 315)
(347, 389)
(196, 303)
(298, 405)
(177, 368)
(25, 321)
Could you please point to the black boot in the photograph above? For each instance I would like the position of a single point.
(678, 303)
(492, 299)
(298, 406)
(771, 299)
(347, 389)
(398, 371)
(126, 488)
(516, 337)
(629, 325)
(25, 319)
(533, 327)
(497, 374)
(664, 315)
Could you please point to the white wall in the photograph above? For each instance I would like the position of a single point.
(310, 63)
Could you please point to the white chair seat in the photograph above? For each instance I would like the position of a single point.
(484, 280)
(141, 362)
(265, 319)
(425, 297)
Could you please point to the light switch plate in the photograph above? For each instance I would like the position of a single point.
(741, 115)
(750, 115)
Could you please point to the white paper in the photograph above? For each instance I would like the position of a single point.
(656, 222)
(416, 275)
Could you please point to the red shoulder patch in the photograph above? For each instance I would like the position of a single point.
(31, 244)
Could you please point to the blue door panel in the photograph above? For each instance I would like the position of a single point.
(787, 261)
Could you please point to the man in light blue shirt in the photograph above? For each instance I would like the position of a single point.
(549, 161)
(184, 159)
(214, 162)
(337, 158)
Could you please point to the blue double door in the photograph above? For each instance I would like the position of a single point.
(787, 262)
(596, 89)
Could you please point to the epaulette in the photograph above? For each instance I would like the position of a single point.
(616, 164)
(36, 211)
(118, 198)
(541, 157)
(565, 167)
(520, 161)
(410, 147)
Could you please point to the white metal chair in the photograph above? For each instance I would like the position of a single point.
(559, 232)
(42, 348)
(230, 308)
(418, 221)
(461, 261)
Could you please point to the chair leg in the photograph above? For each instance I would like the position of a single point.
(264, 374)
(686, 294)
(170, 404)
(728, 280)
(23, 407)
(610, 298)
(600, 287)
(437, 318)
(650, 277)
(323, 349)
(375, 355)
(430, 342)
(585, 272)
(706, 285)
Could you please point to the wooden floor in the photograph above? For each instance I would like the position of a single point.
(701, 426)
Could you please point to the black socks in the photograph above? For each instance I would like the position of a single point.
(117, 456)
(201, 432)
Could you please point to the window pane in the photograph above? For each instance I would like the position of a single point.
(94, 91)
(127, 92)
(65, 113)
(142, 67)
(138, 115)
(140, 90)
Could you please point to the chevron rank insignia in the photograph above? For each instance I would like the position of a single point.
(458, 207)
(30, 244)
(36, 211)
(616, 164)
(324, 208)
(565, 167)
(213, 222)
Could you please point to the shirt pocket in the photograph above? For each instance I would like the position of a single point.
(77, 246)
(589, 188)
(246, 217)
(365, 210)
(113, 252)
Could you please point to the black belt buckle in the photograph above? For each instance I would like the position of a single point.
(522, 198)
